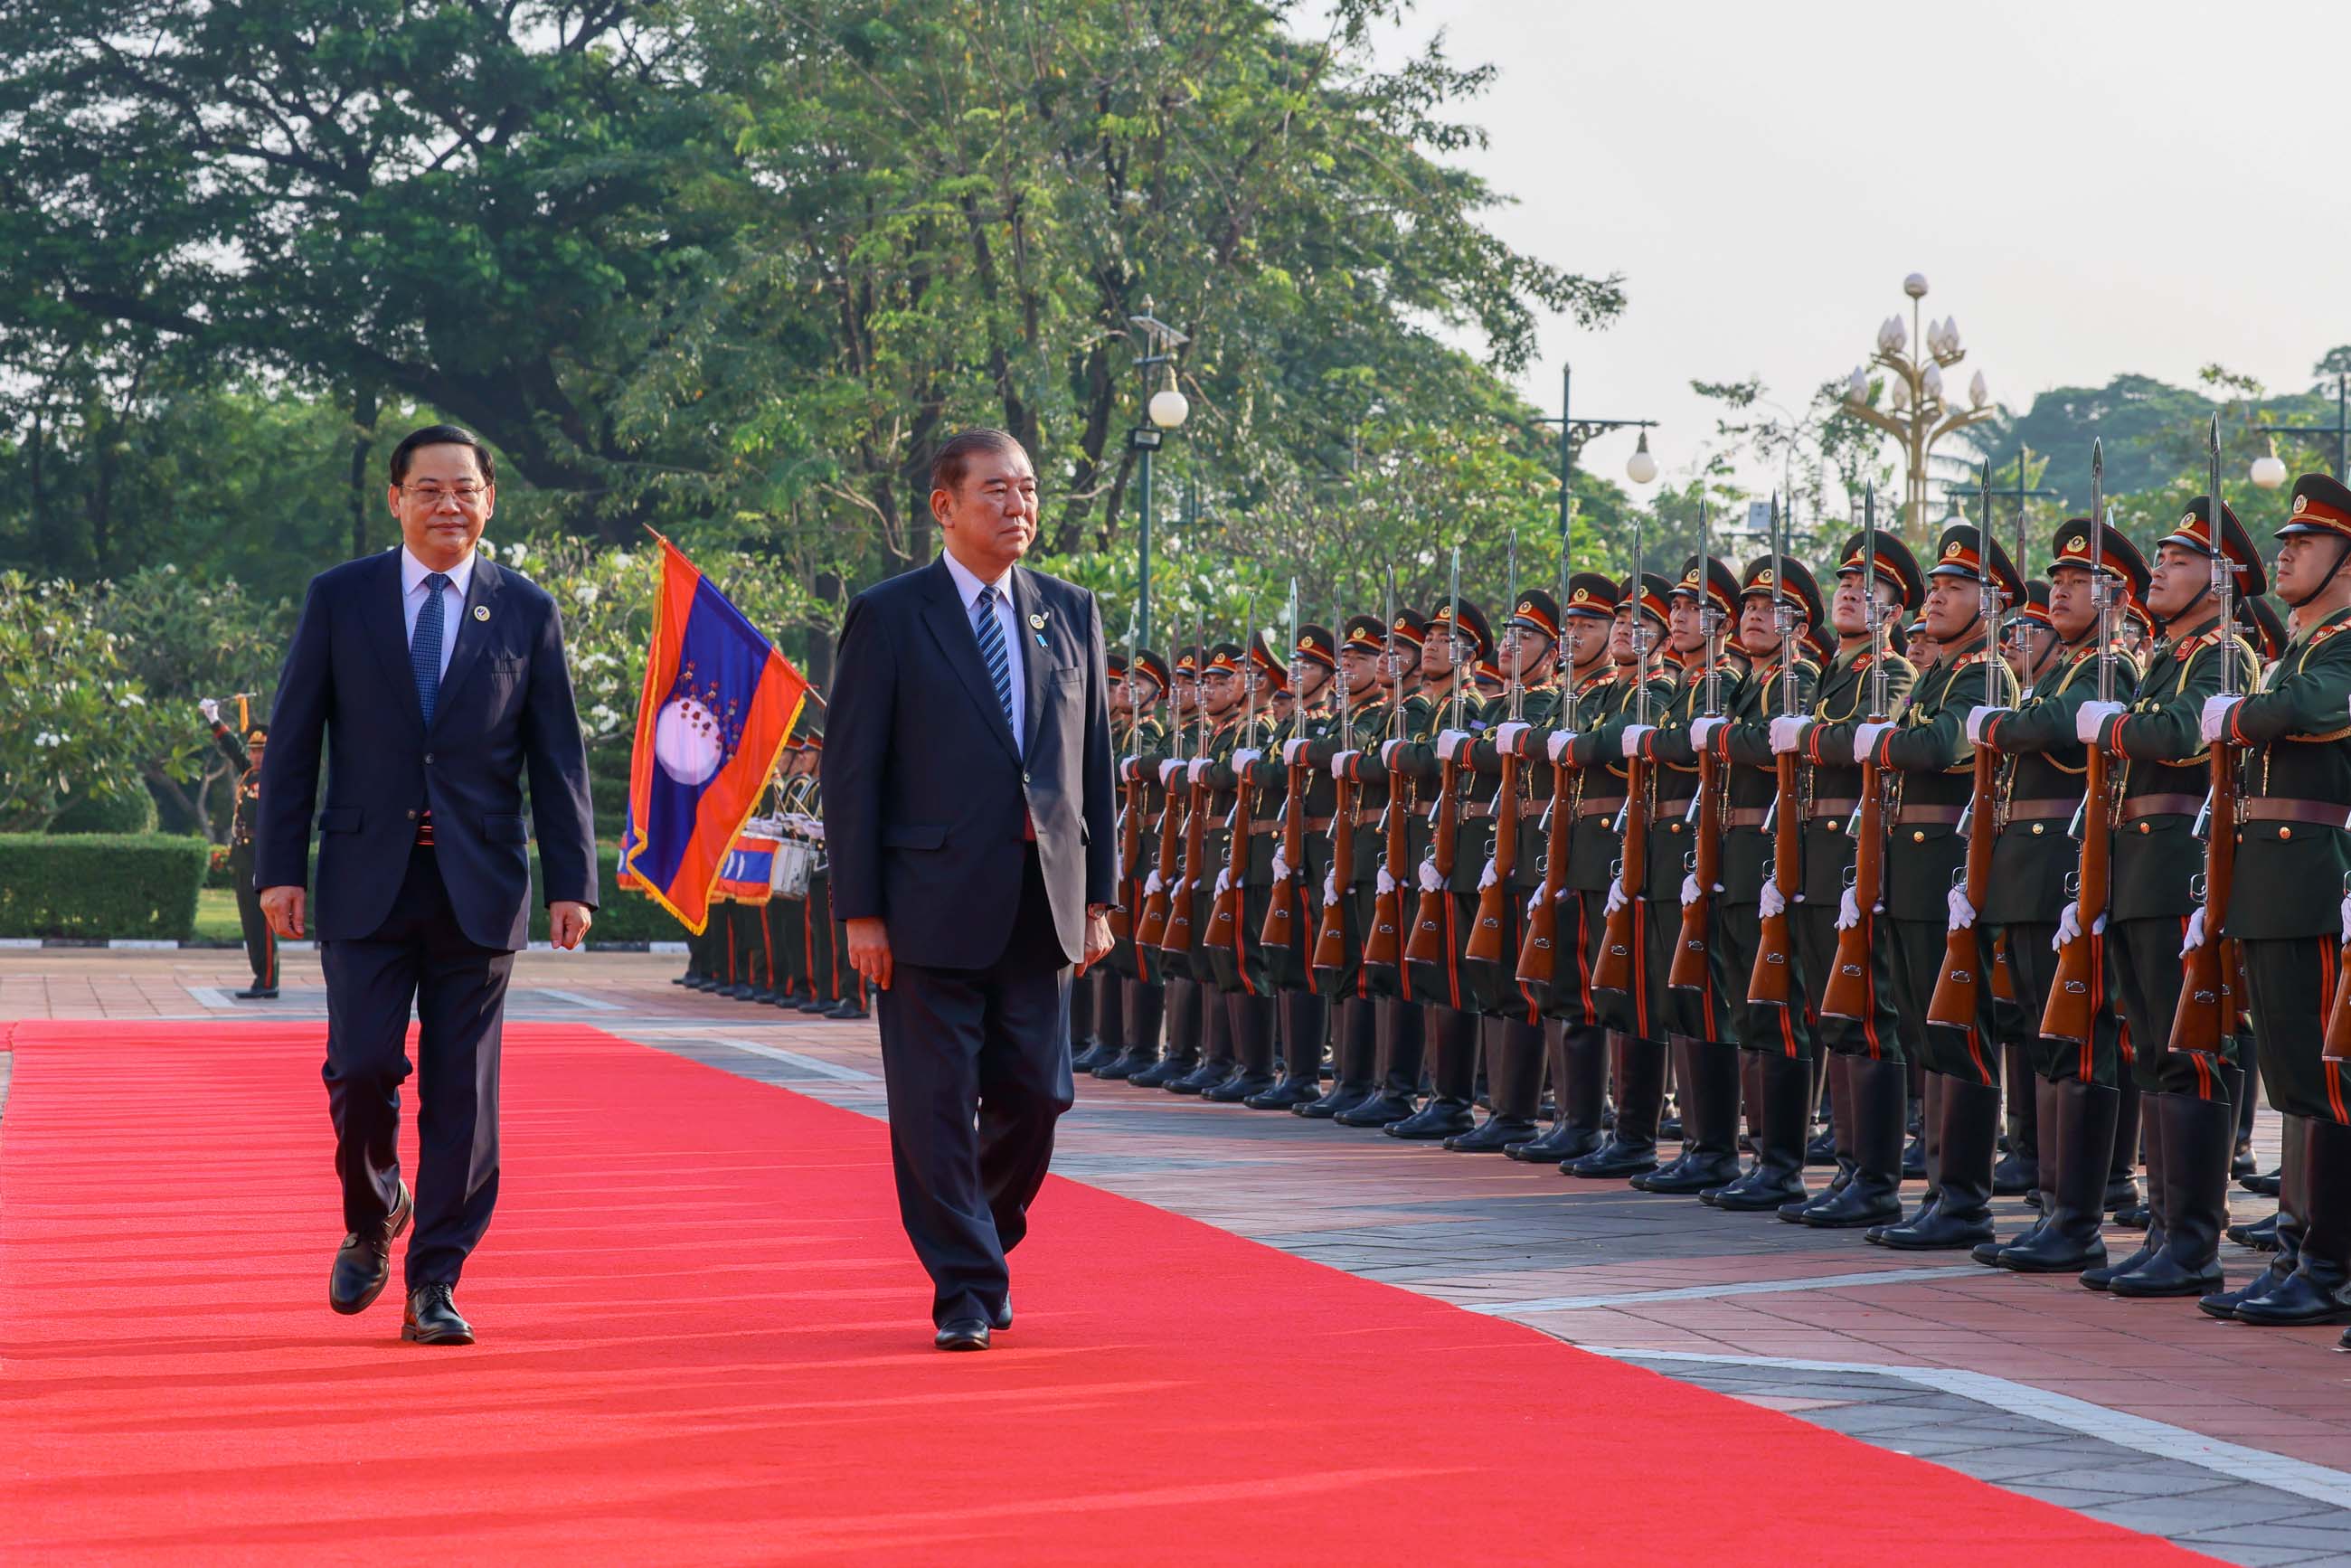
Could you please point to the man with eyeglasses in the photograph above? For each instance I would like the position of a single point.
(434, 679)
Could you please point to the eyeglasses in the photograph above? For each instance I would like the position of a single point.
(433, 495)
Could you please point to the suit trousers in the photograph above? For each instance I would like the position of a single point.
(418, 958)
(977, 1066)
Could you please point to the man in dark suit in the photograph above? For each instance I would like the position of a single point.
(436, 681)
(968, 821)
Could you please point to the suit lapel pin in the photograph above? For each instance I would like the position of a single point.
(1037, 625)
(481, 612)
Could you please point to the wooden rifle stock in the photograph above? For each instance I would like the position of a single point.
(1490, 936)
(1690, 969)
(2339, 1018)
(2004, 978)
(1847, 993)
(1770, 985)
(1285, 915)
(1151, 925)
(1538, 952)
(1331, 936)
(2209, 991)
(1181, 938)
(2073, 994)
(1225, 909)
(1130, 853)
(1428, 942)
(1959, 988)
(1384, 944)
(1619, 941)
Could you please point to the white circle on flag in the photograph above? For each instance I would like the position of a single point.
(685, 741)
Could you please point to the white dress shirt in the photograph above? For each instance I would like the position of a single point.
(413, 573)
(1007, 616)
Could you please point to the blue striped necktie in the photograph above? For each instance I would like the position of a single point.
(990, 632)
(424, 648)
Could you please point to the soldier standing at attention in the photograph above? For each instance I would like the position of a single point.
(260, 942)
(2292, 855)
(1304, 735)
(1141, 742)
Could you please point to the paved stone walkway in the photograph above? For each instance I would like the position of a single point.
(2233, 1440)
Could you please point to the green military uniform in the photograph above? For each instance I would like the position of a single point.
(1183, 994)
(1213, 790)
(1142, 746)
(260, 942)
(1301, 1014)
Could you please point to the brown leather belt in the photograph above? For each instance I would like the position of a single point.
(1946, 815)
(2139, 806)
(1483, 808)
(1822, 810)
(2051, 810)
(2325, 813)
(1317, 824)
(1746, 816)
(1600, 808)
(1263, 825)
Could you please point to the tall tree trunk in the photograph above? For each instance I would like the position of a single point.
(365, 406)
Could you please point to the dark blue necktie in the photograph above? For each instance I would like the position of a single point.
(990, 632)
(424, 648)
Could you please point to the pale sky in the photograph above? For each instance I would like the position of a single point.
(2090, 188)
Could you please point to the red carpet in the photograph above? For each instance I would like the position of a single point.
(705, 1342)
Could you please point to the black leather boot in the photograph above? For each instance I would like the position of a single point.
(1453, 1079)
(2291, 1218)
(1354, 1059)
(1139, 1018)
(1821, 1149)
(2259, 1236)
(1786, 1112)
(1301, 1055)
(1215, 1062)
(2319, 1289)
(1250, 1019)
(1839, 1073)
(2234, 1084)
(1184, 999)
(2122, 1195)
(1927, 1088)
(1514, 1072)
(1750, 1103)
(1579, 1068)
(1403, 1034)
(2020, 1169)
(1678, 1097)
(2044, 1118)
(1632, 1146)
(1878, 1092)
(1709, 1073)
(2070, 1241)
(1969, 1114)
(2188, 1146)
(1913, 1152)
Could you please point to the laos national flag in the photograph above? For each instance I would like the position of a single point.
(719, 701)
(749, 873)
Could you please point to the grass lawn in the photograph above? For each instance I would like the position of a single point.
(216, 916)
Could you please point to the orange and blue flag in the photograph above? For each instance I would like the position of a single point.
(718, 701)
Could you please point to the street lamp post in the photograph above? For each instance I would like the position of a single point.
(2269, 472)
(1164, 410)
(1640, 468)
(1920, 417)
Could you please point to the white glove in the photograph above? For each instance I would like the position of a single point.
(816, 830)
(1487, 878)
(1447, 740)
(1848, 911)
(1243, 756)
(1291, 747)
(1556, 747)
(1430, 881)
(2196, 933)
(1330, 887)
(2346, 917)
(1689, 889)
(2216, 716)
(1616, 899)
(2091, 717)
(1506, 737)
(1977, 718)
(1199, 766)
(210, 709)
(1168, 770)
(1772, 904)
(1633, 734)
(1963, 914)
(1152, 883)
(1280, 867)
(1388, 751)
(1384, 884)
(1534, 902)
(1788, 732)
(1223, 882)
(2069, 926)
(1865, 739)
(1340, 762)
(1701, 728)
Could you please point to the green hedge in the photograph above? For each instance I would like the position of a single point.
(100, 885)
(624, 916)
(129, 813)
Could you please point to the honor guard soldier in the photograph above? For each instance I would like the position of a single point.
(1579, 1042)
(1243, 888)
(2075, 1087)
(1224, 695)
(1517, 794)
(1701, 1022)
(1867, 1064)
(1142, 745)
(1634, 1014)
(2188, 1097)
(1186, 1014)
(2293, 856)
(1926, 748)
(1443, 898)
(790, 918)
(1306, 821)
(1777, 1042)
(1407, 720)
(244, 753)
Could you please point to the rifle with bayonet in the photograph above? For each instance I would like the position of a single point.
(1384, 946)
(1958, 988)
(1279, 928)
(1539, 950)
(1225, 911)
(1848, 993)
(1770, 983)
(1620, 936)
(2072, 1011)
(1181, 938)
(1151, 924)
(1331, 931)
(2209, 996)
(1490, 932)
(1432, 924)
(1690, 970)
(1131, 796)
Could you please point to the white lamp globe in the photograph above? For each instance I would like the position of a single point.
(2269, 471)
(1641, 467)
(1915, 286)
(1169, 408)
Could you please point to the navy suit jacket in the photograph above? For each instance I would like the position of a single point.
(505, 706)
(926, 791)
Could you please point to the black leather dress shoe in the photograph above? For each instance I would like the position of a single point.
(433, 1317)
(257, 994)
(363, 1262)
(1001, 1317)
(962, 1333)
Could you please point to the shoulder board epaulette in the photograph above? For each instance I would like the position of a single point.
(2187, 649)
(2329, 630)
(1966, 659)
